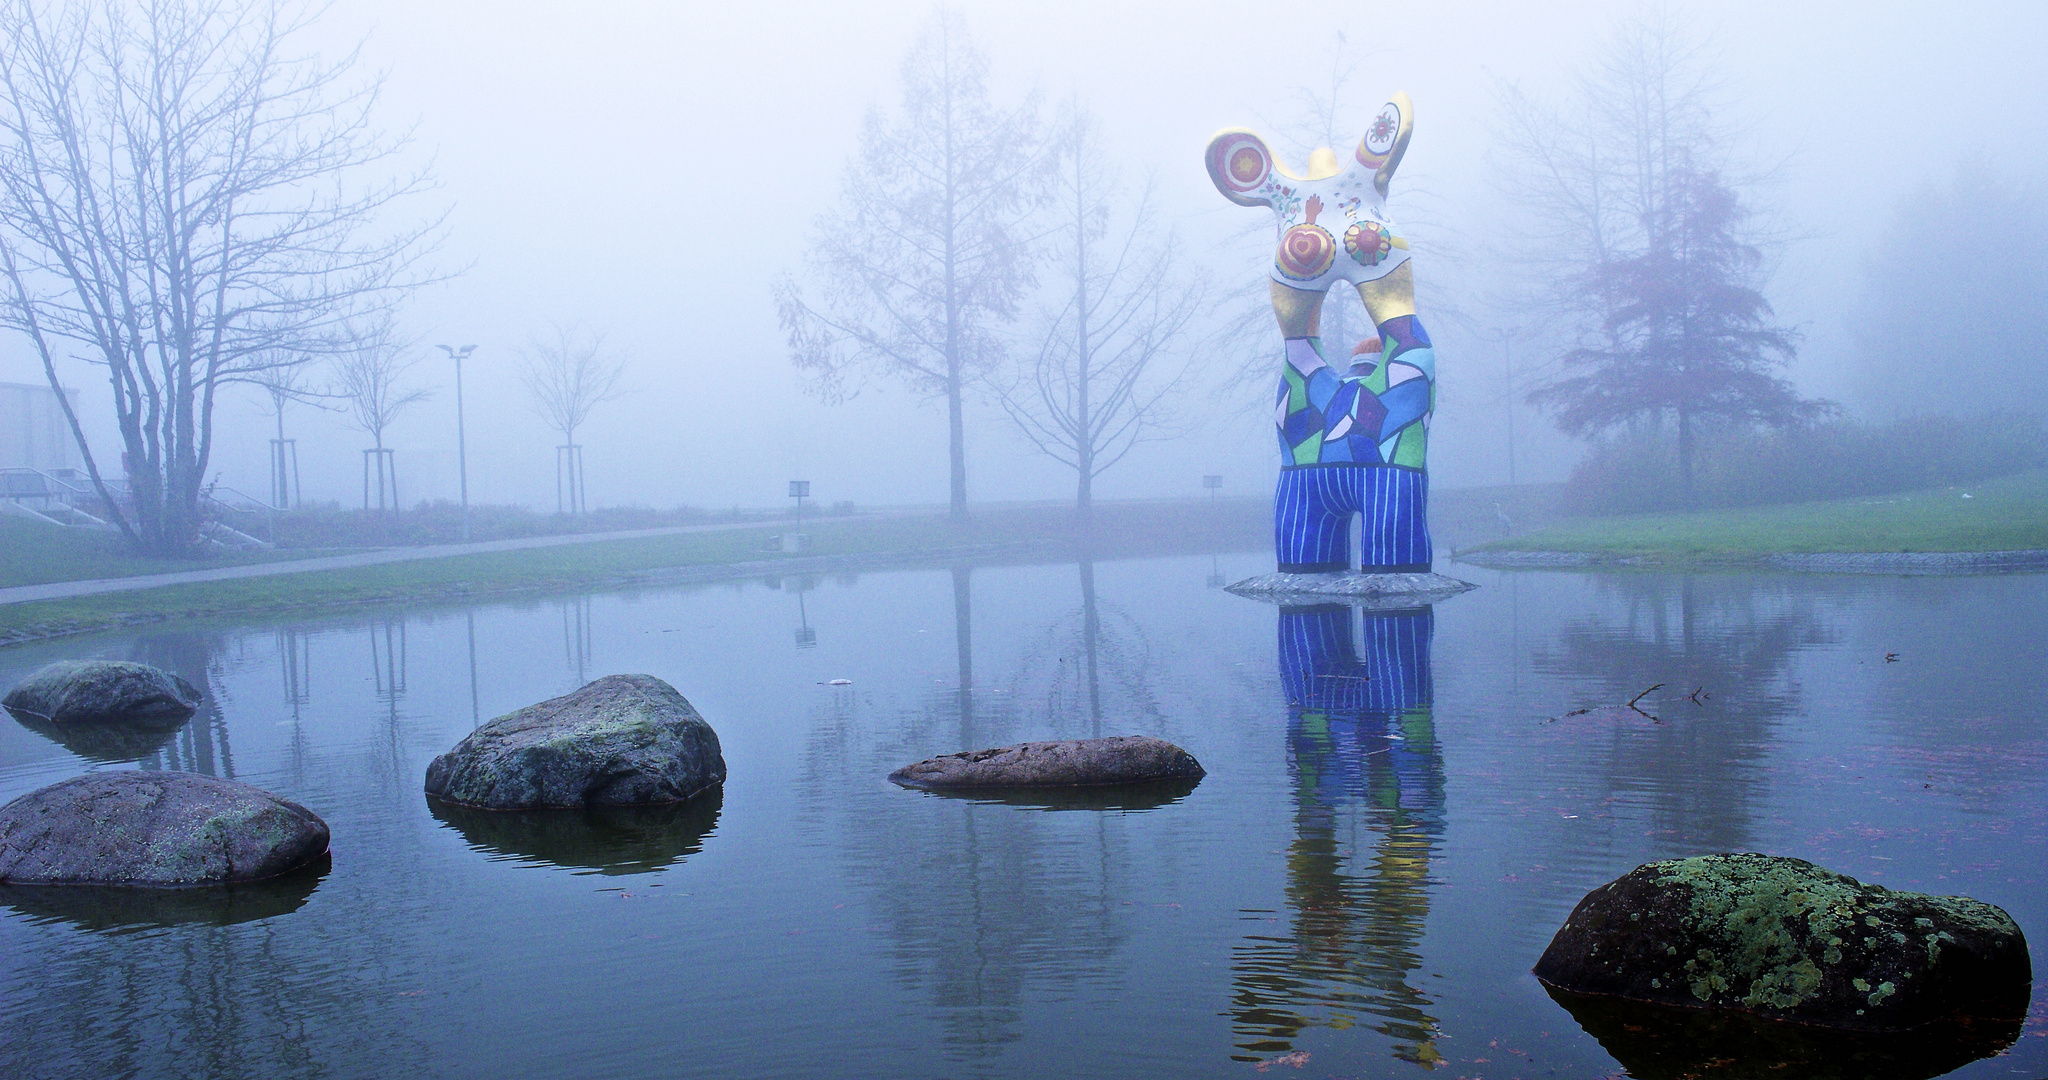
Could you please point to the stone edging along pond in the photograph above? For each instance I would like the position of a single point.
(1820, 562)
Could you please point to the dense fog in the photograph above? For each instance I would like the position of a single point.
(648, 172)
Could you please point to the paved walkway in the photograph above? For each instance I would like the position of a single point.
(60, 590)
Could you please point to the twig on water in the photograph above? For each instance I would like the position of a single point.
(1632, 704)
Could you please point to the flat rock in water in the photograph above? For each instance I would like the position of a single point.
(624, 740)
(103, 691)
(156, 829)
(1788, 940)
(1121, 759)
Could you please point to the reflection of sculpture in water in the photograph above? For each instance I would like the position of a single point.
(1364, 759)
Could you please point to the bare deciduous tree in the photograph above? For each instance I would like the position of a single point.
(178, 203)
(367, 377)
(929, 253)
(568, 372)
(1109, 357)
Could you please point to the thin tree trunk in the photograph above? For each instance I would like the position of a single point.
(1091, 631)
(1084, 427)
(957, 433)
(1685, 456)
(963, 642)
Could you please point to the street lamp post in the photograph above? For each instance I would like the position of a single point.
(461, 437)
(1507, 368)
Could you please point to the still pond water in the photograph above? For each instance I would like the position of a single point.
(1391, 828)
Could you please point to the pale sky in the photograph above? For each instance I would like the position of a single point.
(650, 168)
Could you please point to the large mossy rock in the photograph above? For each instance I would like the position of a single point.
(155, 829)
(103, 691)
(624, 740)
(1787, 940)
(1120, 759)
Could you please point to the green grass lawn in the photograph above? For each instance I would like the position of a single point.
(1122, 529)
(32, 553)
(2009, 513)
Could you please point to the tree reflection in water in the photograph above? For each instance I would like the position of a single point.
(1369, 815)
(1700, 774)
(1094, 662)
(988, 906)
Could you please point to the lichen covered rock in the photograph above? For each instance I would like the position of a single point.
(624, 740)
(154, 829)
(103, 691)
(1120, 759)
(1788, 940)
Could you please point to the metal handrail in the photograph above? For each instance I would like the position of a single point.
(20, 470)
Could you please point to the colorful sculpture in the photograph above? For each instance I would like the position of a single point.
(1351, 442)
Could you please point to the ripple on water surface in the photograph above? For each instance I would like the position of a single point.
(1400, 808)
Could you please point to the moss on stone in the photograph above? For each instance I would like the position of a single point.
(1782, 937)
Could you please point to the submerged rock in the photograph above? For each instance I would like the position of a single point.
(1130, 798)
(1787, 940)
(624, 740)
(607, 839)
(115, 908)
(157, 829)
(1120, 759)
(103, 691)
(1669, 1042)
(107, 742)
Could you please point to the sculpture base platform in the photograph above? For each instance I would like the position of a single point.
(1364, 590)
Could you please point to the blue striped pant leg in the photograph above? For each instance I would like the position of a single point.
(1312, 510)
(1396, 529)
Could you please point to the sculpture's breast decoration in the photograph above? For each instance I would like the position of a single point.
(1306, 250)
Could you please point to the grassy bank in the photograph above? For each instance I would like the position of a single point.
(1122, 529)
(2009, 513)
(32, 553)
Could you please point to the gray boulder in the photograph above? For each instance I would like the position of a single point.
(101, 691)
(1787, 940)
(159, 829)
(1120, 759)
(624, 740)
